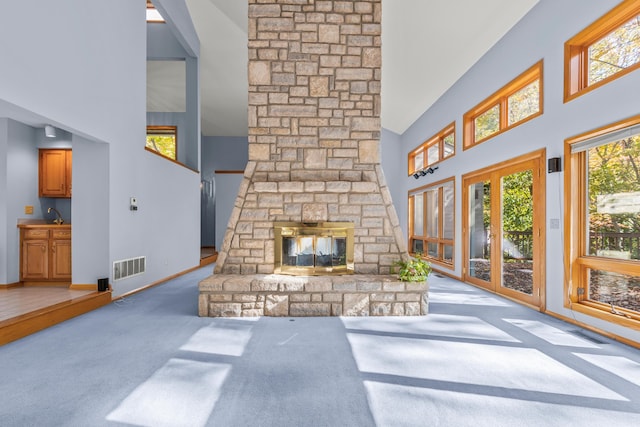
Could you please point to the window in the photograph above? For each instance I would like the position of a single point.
(514, 104)
(431, 222)
(437, 148)
(163, 140)
(603, 199)
(152, 13)
(605, 50)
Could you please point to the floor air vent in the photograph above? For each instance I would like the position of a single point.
(128, 267)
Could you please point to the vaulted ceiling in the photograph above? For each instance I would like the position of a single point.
(427, 45)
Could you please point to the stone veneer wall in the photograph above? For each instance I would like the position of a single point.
(314, 133)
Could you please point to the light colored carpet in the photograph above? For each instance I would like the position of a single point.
(475, 360)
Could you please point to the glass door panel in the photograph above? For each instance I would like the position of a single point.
(504, 216)
(516, 200)
(480, 230)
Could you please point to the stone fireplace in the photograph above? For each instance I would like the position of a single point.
(314, 133)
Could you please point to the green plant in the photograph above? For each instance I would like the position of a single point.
(413, 269)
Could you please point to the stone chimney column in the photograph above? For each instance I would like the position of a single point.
(314, 132)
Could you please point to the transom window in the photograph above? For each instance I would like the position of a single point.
(437, 148)
(515, 103)
(605, 50)
(163, 140)
(152, 13)
(603, 199)
(431, 222)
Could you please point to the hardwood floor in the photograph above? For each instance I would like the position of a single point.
(208, 255)
(26, 310)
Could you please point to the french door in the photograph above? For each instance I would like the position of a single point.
(504, 219)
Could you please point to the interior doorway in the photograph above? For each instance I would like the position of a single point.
(208, 252)
(503, 228)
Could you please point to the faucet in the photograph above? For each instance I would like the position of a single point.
(59, 219)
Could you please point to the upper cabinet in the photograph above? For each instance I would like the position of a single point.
(54, 171)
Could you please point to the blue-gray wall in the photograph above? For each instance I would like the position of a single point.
(541, 34)
(21, 190)
(164, 44)
(94, 87)
(393, 162)
(4, 226)
(226, 153)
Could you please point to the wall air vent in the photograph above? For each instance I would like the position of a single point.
(129, 267)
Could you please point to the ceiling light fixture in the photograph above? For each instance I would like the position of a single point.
(49, 131)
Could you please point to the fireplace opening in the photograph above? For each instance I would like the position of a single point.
(304, 249)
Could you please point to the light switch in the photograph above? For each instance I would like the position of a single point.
(28, 210)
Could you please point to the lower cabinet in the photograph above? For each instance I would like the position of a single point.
(35, 256)
(45, 254)
(60, 255)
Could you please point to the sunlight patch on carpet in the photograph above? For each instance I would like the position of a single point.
(460, 364)
(550, 334)
(445, 325)
(181, 393)
(621, 366)
(435, 407)
(228, 339)
(466, 299)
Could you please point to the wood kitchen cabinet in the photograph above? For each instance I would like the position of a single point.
(35, 255)
(54, 173)
(45, 254)
(60, 254)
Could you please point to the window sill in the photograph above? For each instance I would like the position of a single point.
(603, 312)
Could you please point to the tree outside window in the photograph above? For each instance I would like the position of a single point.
(162, 140)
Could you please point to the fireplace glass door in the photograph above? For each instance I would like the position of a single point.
(323, 248)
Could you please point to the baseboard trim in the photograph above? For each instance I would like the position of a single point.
(599, 331)
(444, 273)
(156, 283)
(11, 285)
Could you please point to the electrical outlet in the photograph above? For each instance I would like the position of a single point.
(133, 204)
(28, 210)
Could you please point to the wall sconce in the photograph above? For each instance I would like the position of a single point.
(424, 172)
(49, 131)
(554, 165)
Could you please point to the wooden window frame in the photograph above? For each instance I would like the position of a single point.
(576, 50)
(423, 148)
(501, 97)
(577, 260)
(440, 240)
(166, 130)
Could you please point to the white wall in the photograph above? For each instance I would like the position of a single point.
(539, 35)
(82, 66)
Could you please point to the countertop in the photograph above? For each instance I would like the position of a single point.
(40, 223)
